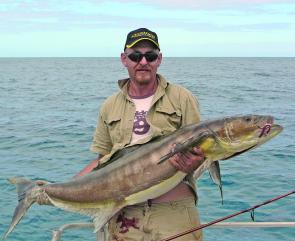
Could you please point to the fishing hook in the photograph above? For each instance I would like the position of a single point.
(264, 130)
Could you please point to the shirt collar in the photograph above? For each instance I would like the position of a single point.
(163, 83)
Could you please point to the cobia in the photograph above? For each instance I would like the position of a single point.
(139, 173)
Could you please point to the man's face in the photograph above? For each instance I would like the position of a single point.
(144, 71)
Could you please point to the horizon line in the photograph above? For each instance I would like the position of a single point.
(2, 57)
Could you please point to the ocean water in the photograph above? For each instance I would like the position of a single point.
(48, 113)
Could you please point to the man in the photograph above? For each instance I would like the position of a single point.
(148, 106)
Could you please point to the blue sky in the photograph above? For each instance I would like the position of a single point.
(97, 28)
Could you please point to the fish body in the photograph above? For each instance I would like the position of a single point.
(142, 173)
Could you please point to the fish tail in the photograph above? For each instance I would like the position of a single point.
(25, 200)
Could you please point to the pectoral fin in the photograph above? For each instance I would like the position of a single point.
(214, 171)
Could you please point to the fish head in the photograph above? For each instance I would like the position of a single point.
(245, 132)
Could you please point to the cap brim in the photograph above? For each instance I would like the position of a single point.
(138, 40)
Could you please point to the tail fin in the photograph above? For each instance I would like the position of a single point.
(25, 200)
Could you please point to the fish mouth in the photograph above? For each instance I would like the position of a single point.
(266, 127)
(276, 129)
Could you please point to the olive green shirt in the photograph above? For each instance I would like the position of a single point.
(172, 107)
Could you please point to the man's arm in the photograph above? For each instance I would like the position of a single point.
(189, 161)
(89, 167)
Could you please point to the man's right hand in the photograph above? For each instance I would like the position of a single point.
(189, 161)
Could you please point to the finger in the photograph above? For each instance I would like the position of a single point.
(188, 161)
(197, 150)
(188, 155)
(176, 165)
(177, 162)
(182, 158)
(192, 157)
(193, 161)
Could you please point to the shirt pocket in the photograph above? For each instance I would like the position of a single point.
(167, 118)
(113, 123)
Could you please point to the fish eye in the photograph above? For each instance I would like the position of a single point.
(248, 119)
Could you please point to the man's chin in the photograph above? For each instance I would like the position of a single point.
(143, 80)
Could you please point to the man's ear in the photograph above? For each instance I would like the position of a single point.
(124, 59)
(159, 60)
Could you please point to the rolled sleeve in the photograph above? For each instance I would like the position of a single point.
(190, 109)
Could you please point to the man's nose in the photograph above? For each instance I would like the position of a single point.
(143, 61)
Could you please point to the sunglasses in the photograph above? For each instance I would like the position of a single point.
(137, 56)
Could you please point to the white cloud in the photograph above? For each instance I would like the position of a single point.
(44, 22)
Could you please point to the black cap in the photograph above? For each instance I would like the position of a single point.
(140, 34)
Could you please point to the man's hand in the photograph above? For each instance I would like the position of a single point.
(88, 168)
(189, 161)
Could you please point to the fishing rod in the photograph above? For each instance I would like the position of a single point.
(251, 209)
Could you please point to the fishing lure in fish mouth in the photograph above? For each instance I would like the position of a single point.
(264, 130)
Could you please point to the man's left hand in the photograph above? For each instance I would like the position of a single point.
(188, 161)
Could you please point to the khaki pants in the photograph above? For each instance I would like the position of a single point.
(154, 222)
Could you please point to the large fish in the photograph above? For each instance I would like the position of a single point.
(139, 173)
